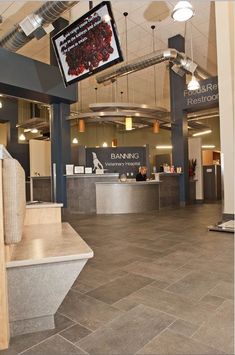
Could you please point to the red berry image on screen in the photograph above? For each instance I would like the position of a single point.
(95, 49)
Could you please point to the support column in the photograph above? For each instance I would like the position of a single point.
(225, 14)
(60, 149)
(179, 128)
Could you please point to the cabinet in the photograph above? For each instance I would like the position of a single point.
(210, 157)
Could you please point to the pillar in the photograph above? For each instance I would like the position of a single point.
(60, 149)
(225, 14)
(179, 127)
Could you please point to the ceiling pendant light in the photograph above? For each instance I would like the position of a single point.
(193, 84)
(105, 144)
(22, 137)
(81, 126)
(128, 123)
(182, 11)
(75, 141)
(156, 127)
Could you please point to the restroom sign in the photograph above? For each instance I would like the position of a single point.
(205, 97)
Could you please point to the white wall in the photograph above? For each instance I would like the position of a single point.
(40, 157)
(225, 14)
(195, 152)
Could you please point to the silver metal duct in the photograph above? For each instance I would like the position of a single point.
(180, 61)
(48, 13)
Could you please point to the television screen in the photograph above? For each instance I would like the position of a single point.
(88, 45)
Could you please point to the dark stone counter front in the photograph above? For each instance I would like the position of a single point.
(81, 192)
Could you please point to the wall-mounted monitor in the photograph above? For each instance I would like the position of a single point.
(88, 45)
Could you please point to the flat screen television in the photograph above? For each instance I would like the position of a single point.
(88, 45)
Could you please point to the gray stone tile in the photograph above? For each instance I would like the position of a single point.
(195, 285)
(125, 304)
(155, 271)
(184, 328)
(214, 300)
(25, 341)
(127, 334)
(169, 343)
(123, 286)
(55, 345)
(224, 289)
(91, 278)
(218, 330)
(75, 333)
(87, 311)
(173, 304)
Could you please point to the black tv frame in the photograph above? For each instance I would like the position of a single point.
(75, 24)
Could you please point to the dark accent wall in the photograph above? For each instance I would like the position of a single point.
(179, 126)
(19, 151)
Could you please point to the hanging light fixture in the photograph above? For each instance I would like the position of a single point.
(128, 120)
(128, 123)
(22, 137)
(193, 84)
(156, 125)
(75, 141)
(183, 11)
(81, 126)
(105, 144)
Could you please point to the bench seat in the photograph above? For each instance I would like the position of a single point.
(40, 271)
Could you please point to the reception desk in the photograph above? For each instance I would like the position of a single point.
(127, 197)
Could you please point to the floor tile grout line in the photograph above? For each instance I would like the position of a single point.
(42, 341)
(76, 321)
(74, 344)
(162, 331)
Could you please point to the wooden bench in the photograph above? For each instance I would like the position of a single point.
(37, 273)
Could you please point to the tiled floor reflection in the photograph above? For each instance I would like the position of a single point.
(159, 283)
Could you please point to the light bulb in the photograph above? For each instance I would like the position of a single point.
(34, 130)
(183, 11)
(105, 145)
(193, 84)
(22, 137)
(75, 141)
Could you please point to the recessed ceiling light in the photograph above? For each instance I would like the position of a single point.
(163, 146)
(202, 133)
(208, 146)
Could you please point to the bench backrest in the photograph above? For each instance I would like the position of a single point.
(14, 200)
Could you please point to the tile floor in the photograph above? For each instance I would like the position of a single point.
(159, 283)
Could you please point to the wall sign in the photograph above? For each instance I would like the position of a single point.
(120, 160)
(205, 97)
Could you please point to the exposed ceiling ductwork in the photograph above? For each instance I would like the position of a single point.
(46, 14)
(181, 64)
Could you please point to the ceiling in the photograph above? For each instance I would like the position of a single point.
(142, 15)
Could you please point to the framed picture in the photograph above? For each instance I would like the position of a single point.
(88, 170)
(88, 45)
(79, 169)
